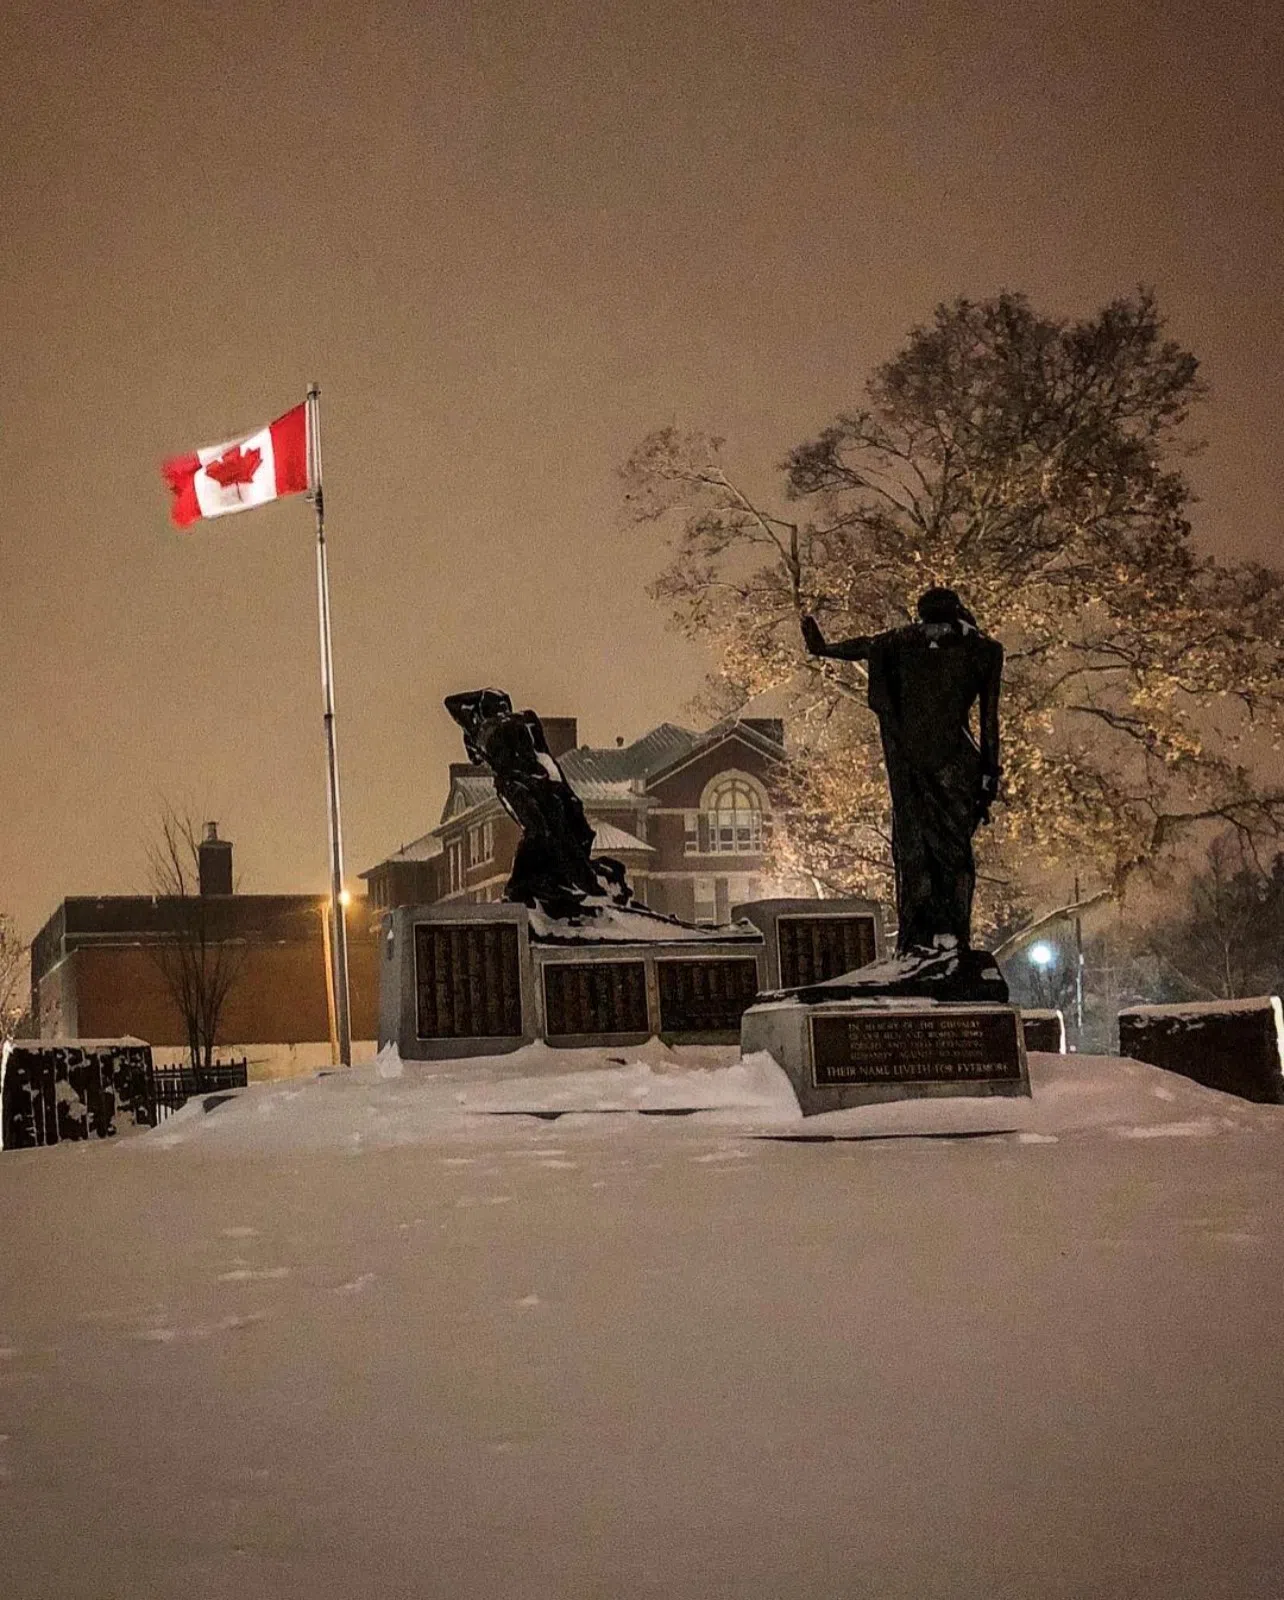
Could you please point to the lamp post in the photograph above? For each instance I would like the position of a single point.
(1042, 955)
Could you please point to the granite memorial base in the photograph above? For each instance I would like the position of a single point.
(847, 1053)
(1044, 1030)
(472, 980)
(52, 1090)
(1233, 1045)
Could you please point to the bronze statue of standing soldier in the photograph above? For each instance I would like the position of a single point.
(924, 681)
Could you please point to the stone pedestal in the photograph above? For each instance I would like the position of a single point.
(471, 980)
(844, 1053)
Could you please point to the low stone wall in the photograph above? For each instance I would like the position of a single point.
(1233, 1045)
(1044, 1030)
(53, 1090)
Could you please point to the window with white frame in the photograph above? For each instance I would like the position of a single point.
(455, 864)
(732, 816)
(481, 843)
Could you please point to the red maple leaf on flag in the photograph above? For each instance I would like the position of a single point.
(235, 466)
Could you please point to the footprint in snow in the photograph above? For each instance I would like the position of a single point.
(355, 1285)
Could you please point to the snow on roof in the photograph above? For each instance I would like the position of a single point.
(422, 849)
(609, 837)
(622, 763)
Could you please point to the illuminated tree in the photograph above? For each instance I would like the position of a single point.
(14, 979)
(1034, 465)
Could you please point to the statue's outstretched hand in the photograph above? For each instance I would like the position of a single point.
(813, 638)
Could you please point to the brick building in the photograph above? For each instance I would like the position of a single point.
(95, 971)
(689, 814)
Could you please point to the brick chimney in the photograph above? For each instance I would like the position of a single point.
(214, 860)
(561, 733)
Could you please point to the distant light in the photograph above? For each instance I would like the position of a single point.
(1041, 954)
(345, 898)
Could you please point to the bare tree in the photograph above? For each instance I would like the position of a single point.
(1035, 465)
(195, 951)
(1227, 941)
(14, 979)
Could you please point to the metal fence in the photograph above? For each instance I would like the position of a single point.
(173, 1087)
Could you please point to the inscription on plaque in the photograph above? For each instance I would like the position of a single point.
(925, 1047)
(814, 949)
(708, 996)
(467, 981)
(595, 997)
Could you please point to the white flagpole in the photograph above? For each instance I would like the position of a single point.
(338, 922)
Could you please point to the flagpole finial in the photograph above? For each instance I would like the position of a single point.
(314, 389)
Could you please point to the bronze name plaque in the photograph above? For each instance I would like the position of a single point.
(815, 949)
(874, 1048)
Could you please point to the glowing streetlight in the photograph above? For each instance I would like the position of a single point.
(1042, 955)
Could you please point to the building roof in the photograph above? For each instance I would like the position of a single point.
(421, 849)
(466, 791)
(600, 777)
(611, 839)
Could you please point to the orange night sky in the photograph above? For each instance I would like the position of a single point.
(508, 240)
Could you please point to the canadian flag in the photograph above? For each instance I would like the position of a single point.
(242, 473)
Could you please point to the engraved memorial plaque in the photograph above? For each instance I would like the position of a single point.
(953, 1046)
(815, 949)
(467, 981)
(706, 996)
(588, 997)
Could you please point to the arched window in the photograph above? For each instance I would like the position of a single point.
(733, 810)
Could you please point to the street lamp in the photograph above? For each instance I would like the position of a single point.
(1042, 955)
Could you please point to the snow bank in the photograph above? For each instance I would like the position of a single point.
(391, 1103)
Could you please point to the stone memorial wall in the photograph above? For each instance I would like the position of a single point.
(57, 1090)
(1233, 1045)
(1044, 1030)
(461, 980)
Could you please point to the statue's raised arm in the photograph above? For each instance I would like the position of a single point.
(846, 650)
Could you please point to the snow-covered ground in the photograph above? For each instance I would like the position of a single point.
(395, 1334)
